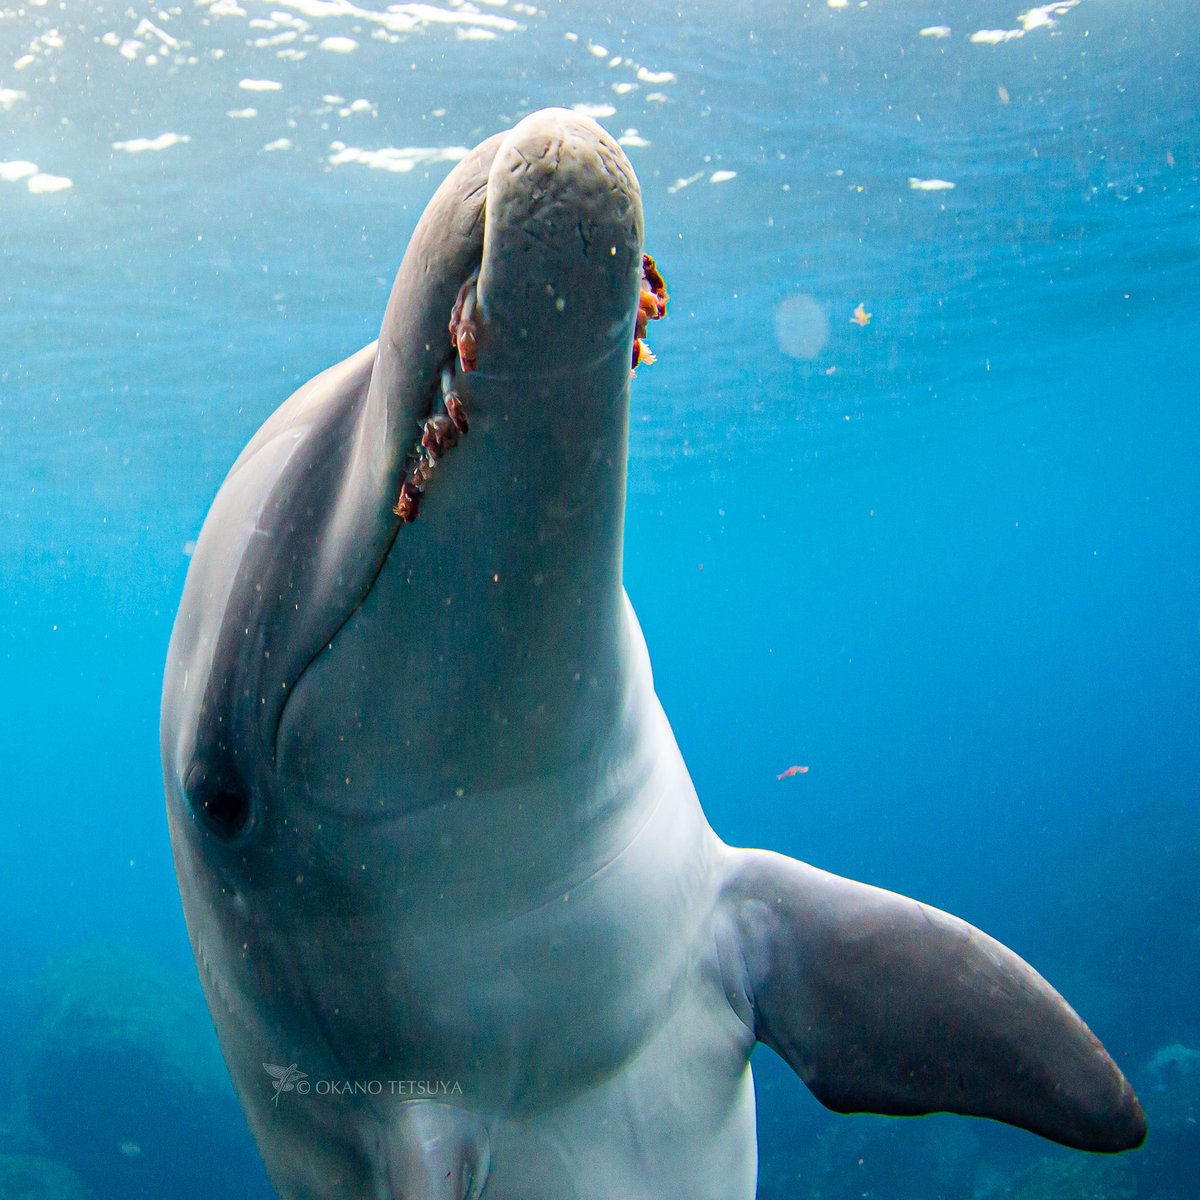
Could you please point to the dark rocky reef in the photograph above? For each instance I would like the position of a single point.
(30, 1177)
(125, 1084)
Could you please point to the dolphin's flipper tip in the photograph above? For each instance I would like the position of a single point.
(882, 1004)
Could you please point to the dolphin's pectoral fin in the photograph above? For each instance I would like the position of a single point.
(436, 1151)
(882, 1004)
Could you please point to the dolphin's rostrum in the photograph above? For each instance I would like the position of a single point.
(430, 822)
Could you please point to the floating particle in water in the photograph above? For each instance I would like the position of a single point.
(792, 771)
(930, 185)
(801, 326)
(860, 315)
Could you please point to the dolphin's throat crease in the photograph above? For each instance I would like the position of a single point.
(462, 925)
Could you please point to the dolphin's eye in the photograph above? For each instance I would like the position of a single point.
(225, 813)
(221, 805)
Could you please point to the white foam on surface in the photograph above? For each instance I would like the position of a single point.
(929, 185)
(398, 160)
(401, 18)
(596, 111)
(17, 168)
(147, 28)
(993, 37)
(260, 85)
(1041, 17)
(338, 45)
(40, 184)
(164, 141)
(680, 184)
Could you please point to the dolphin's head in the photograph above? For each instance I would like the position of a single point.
(335, 662)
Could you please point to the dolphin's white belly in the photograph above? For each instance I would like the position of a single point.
(569, 993)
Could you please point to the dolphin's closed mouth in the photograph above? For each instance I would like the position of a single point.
(445, 425)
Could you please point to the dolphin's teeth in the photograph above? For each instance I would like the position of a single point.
(440, 431)
(452, 402)
(458, 414)
(439, 434)
(408, 503)
(464, 325)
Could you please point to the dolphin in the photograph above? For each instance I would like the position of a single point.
(460, 920)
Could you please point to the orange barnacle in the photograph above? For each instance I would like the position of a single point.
(652, 306)
(642, 353)
(647, 310)
(652, 276)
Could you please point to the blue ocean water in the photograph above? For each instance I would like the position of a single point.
(947, 559)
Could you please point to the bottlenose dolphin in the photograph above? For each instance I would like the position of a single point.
(461, 922)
